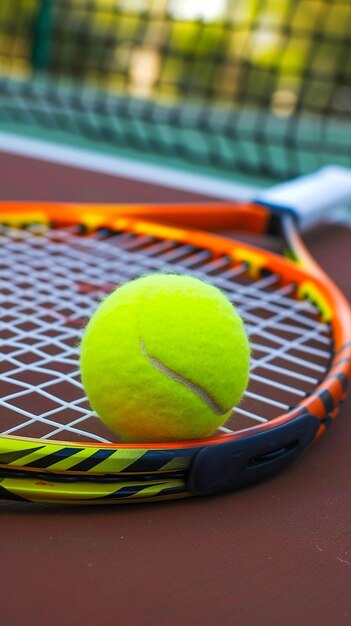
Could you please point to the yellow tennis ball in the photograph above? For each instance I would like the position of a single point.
(165, 357)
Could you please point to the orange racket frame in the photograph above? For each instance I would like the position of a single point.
(221, 462)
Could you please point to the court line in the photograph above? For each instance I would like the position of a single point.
(122, 166)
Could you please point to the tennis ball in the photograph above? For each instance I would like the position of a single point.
(164, 357)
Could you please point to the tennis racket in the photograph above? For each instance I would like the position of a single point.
(58, 260)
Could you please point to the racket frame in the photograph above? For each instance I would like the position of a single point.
(219, 463)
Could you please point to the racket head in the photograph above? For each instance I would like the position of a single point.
(77, 255)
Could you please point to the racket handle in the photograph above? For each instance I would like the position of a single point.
(310, 198)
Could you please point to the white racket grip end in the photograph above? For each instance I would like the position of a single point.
(311, 198)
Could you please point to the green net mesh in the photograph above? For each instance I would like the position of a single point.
(255, 86)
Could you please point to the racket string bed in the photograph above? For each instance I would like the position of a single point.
(52, 280)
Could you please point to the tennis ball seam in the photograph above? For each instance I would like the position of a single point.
(167, 371)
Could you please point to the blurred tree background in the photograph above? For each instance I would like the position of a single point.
(277, 55)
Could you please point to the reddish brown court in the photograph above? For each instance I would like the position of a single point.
(276, 553)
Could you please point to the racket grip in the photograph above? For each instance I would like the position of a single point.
(310, 198)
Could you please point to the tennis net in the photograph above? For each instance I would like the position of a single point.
(254, 86)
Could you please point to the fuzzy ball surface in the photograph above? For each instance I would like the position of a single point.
(165, 357)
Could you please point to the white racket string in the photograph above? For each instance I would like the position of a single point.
(51, 282)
